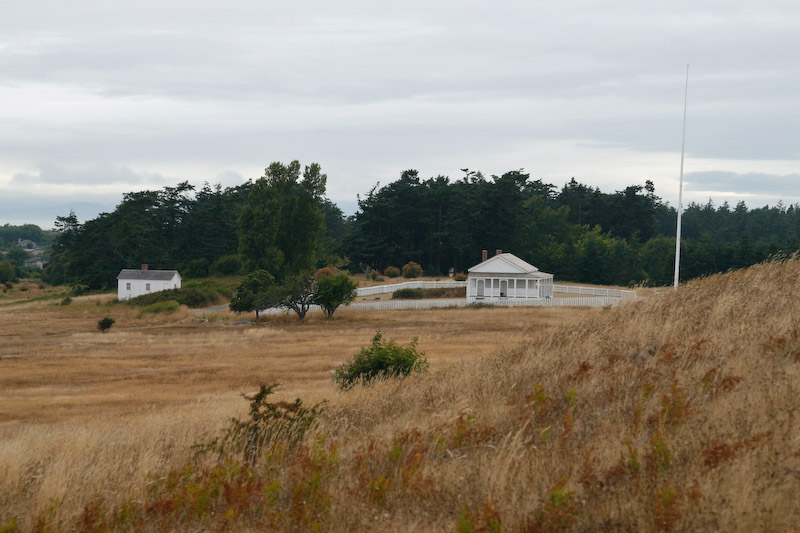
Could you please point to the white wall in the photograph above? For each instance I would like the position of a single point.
(139, 287)
(514, 288)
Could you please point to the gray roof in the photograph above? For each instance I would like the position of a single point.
(507, 265)
(154, 275)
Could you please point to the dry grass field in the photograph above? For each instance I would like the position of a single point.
(675, 413)
(83, 411)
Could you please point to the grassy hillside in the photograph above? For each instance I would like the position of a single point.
(679, 412)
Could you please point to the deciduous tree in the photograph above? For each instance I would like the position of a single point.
(333, 291)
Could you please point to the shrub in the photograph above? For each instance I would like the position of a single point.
(66, 301)
(391, 272)
(407, 294)
(326, 271)
(460, 277)
(268, 423)
(196, 268)
(417, 294)
(375, 276)
(193, 294)
(412, 270)
(211, 288)
(79, 289)
(381, 360)
(227, 265)
(105, 324)
(161, 307)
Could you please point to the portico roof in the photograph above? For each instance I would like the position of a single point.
(507, 265)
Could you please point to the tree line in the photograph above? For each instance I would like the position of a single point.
(283, 224)
(576, 232)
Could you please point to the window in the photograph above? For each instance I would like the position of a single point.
(147, 287)
(127, 286)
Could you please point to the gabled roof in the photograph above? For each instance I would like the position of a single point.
(506, 264)
(152, 275)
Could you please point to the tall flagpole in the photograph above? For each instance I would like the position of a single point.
(680, 190)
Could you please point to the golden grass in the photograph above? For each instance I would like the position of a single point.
(82, 411)
(679, 412)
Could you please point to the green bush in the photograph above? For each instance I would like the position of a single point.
(381, 360)
(212, 290)
(160, 296)
(227, 265)
(105, 324)
(167, 306)
(412, 270)
(460, 277)
(196, 268)
(193, 294)
(407, 294)
(79, 289)
(417, 294)
(66, 301)
(391, 272)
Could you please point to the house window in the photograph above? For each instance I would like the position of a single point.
(147, 287)
(127, 286)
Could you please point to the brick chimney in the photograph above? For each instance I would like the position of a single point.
(498, 251)
(484, 255)
(144, 266)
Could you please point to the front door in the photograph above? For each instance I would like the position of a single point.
(480, 288)
(503, 288)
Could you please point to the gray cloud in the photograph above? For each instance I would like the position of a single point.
(368, 88)
(102, 174)
(751, 184)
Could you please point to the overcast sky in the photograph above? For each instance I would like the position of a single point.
(102, 97)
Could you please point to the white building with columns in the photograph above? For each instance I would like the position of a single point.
(506, 276)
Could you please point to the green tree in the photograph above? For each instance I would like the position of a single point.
(333, 291)
(254, 293)
(297, 293)
(7, 272)
(657, 260)
(17, 256)
(281, 223)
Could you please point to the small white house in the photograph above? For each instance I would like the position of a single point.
(132, 283)
(506, 276)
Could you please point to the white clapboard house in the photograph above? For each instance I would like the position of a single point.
(132, 282)
(506, 276)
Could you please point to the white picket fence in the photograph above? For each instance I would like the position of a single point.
(601, 301)
(566, 289)
(613, 293)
